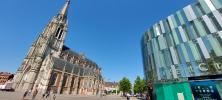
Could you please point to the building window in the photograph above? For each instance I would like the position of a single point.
(198, 10)
(57, 32)
(53, 79)
(65, 79)
(217, 3)
(214, 21)
(60, 34)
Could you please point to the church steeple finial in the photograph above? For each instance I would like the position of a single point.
(64, 10)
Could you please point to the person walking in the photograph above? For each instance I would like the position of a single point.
(25, 94)
(54, 97)
(43, 95)
(34, 94)
(47, 94)
(128, 96)
(29, 92)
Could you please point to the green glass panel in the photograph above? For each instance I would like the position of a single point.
(200, 27)
(204, 6)
(185, 53)
(197, 10)
(180, 17)
(175, 37)
(195, 51)
(217, 3)
(162, 59)
(174, 20)
(216, 46)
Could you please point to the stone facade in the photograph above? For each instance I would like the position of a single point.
(52, 66)
(111, 87)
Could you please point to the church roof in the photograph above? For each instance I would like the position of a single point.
(71, 52)
(60, 63)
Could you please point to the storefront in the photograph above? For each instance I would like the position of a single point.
(206, 87)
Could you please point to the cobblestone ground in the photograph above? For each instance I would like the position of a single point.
(18, 96)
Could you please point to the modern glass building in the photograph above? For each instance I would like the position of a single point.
(187, 43)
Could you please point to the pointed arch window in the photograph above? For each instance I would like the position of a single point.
(57, 32)
(60, 34)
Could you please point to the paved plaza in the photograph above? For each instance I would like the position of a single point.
(18, 96)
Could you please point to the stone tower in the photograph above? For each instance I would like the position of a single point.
(50, 42)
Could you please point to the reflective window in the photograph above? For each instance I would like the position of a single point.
(162, 27)
(204, 6)
(183, 34)
(157, 30)
(170, 21)
(203, 48)
(195, 51)
(162, 60)
(162, 42)
(214, 21)
(210, 5)
(217, 3)
(166, 26)
(177, 20)
(186, 32)
(189, 51)
(183, 59)
(169, 40)
(219, 38)
(180, 17)
(152, 33)
(167, 57)
(185, 53)
(209, 24)
(198, 10)
(175, 37)
(215, 45)
(191, 30)
(199, 28)
(174, 21)
(208, 45)
(178, 35)
(174, 55)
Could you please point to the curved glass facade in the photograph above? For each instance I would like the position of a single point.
(186, 43)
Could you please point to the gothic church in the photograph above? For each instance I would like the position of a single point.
(50, 66)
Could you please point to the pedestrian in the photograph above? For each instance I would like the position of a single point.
(25, 94)
(29, 92)
(128, 96)
(43, 95)
(47, 94)
(54, 97)
(34, 94)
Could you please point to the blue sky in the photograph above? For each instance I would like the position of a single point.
(106, 31)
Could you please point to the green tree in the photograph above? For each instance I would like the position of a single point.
(139, 85)
(125, 85)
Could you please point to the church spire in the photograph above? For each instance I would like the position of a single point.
(64, 10)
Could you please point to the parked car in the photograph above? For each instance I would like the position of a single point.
(7, 86)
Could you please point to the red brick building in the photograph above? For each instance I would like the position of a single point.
(5, 76)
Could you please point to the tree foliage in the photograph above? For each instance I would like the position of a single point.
(139, 85)
(125, 85)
